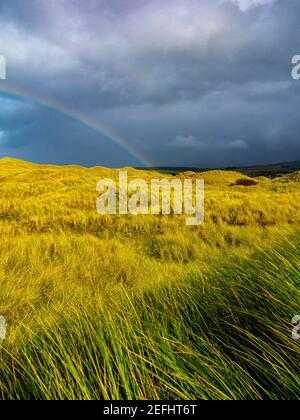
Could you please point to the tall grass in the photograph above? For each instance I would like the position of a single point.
(221, 334)
(146, 307)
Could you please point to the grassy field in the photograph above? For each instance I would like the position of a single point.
(145, 307)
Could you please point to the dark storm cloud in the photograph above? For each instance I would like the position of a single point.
(199, 83)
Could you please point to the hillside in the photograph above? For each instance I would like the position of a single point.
(270, 171)
(145, 307)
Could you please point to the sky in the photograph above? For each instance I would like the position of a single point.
(198, 83)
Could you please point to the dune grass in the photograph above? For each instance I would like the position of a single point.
(146, 307)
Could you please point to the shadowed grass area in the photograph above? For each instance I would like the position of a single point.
(224, 334)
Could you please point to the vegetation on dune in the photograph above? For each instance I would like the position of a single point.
(246, 182)
(294, 177)
(145, 306)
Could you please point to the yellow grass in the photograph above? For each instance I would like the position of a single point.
(57, 253)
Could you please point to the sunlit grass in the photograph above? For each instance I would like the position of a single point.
(144, 306)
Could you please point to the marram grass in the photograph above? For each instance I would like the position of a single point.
(146, 307)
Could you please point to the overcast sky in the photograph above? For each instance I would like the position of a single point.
(189, 82)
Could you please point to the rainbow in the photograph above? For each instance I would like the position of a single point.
(20, 93)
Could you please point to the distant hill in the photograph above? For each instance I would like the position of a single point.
(270, 170)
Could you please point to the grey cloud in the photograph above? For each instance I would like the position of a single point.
(186, 141)
(154, 71)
